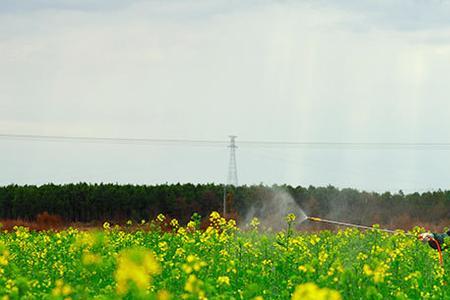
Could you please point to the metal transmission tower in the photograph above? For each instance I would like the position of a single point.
(232, 179)
(232, 169)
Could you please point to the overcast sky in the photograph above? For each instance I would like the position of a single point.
(307, 71)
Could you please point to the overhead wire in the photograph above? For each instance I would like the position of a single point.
(109, 140)
(248, 144)
(224, 143)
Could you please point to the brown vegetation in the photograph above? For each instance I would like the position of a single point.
(44, 221)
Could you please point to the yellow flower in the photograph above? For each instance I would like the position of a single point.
(135, 266)
(223, 280)
(254, 223)
(193, 264)
(191, 225)
(163, 295)
(290, 218)
(163, 246)
(61, 289)
(179, 251)
(307, 268)
(310, 291)
(361, 256)
(378, 274)
(323, 257)
(232, 223)
(194, 287)
(187, 268)
(267, 262)
(91, 259)
(302, 268)
(181, 231)
(314, 239)
(66, 290)
(174, 223)
(214, 215)
(367, 270)
(160, 218)
(4, 258)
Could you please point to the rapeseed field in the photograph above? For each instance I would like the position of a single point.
(222, 262)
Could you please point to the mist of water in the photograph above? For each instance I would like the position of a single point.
(271, 211)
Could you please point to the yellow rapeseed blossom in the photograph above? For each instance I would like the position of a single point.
(224, 253)
(254, 223)
(193, 263)
(4, 258)
(161, 218)
(231, 223)
(194, 287)
(91, 259)
(362, 256)
(307, 268)
(135, 266)
(290, 218)
(174, 223)
(223, 280)
(191, 225)
(163, 295)
(163, 246)
(310, 291)
(323, 256)
(214, 216)
(61, 289)
(314, 239)
(179, 252)
(181, 231)
(378, 274)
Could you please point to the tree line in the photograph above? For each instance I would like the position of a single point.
(84, 202)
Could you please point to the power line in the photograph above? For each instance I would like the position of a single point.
(224, 143)
(342, 144)
(109, 140)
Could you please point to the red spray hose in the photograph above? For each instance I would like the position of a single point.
(441, 261)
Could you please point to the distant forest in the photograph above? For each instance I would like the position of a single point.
(99, 202)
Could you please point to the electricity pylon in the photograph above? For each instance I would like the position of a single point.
(232, 169)
(232, 179)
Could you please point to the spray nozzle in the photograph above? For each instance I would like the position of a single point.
(315, 219)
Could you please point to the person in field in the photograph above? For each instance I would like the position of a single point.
(436, 240)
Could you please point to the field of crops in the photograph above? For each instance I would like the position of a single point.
(222, 262)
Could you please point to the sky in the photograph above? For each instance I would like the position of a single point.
(301, 71)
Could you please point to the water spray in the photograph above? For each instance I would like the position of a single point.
(315, 219)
